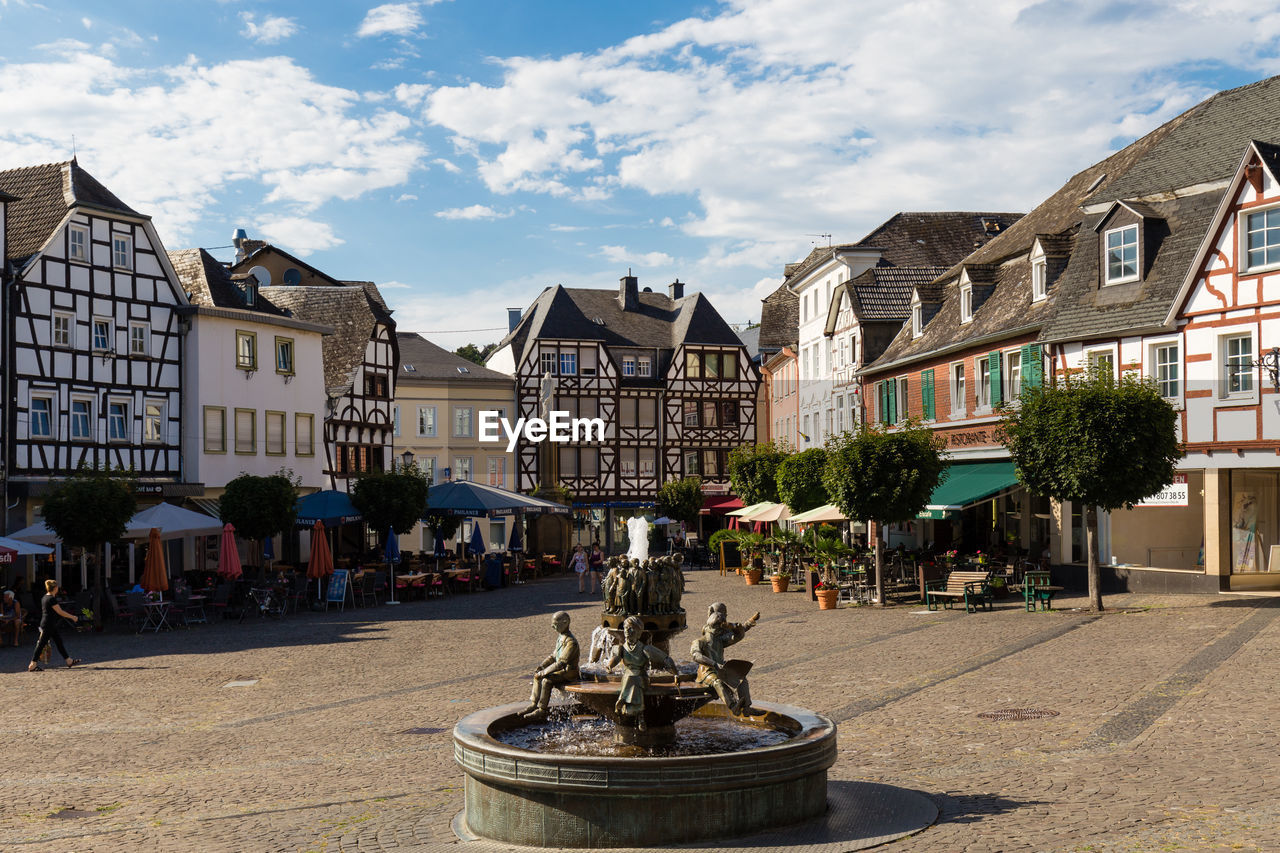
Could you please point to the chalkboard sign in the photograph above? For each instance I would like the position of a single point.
(730, 558)
(337, 587)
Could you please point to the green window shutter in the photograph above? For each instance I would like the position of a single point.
(882, 394)
(993, 368)
(1032, 366)
(903, 407)
(926, 393)
(891, 410)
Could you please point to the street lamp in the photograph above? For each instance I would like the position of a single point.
(407, 458)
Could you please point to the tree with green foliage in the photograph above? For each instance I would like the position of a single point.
(681, 499)
(473, 353)
(753, 472)
(884, 477)
(88, 509)
(1095, 442)
(392, 500)
(442, 526)
(260, 507)
(800, 480)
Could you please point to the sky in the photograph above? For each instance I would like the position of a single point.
(466, 154)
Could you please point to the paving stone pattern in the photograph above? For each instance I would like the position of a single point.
(1165, 738)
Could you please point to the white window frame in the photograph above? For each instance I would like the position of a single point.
(568, 364)
(87, 416)
(959, 405)
(1243, 229)
(56, 335)
(628, 367)
(917, 321)
(158, 420)
(463, 465)
(122, 251)
(427, 464)
(1106, 254)
(461, 429)
(50, 417)
(500, 469)
(145, 339)
(125, 433)
(549, 362)
(434, 429)
(1248, 374)
(1154, 364)
(1039, 279)
(85, 245)
(644, 366)
(982, 388)
(1094, 356)
(966, 303)
(1011, 375)
(106, 344)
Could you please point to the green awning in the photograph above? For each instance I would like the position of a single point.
(967, 483)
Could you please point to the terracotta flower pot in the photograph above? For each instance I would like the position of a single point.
(780, 583)
(827, 598)
(753, 576)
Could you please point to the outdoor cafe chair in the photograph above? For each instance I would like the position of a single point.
(367, 589)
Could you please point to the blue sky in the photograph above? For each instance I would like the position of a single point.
(465, 154)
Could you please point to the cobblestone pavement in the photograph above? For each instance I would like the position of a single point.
(1165, 738)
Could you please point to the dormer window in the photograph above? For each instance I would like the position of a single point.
(966, 302)
(1262, 239)
(1122, 254)
(917, 320)
(1039, 279)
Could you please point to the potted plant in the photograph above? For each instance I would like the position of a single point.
(828, 596)
(780, 579)
(752, 546)
(999, 588)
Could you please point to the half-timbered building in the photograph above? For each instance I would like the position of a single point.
(92, 337)
(672, 382)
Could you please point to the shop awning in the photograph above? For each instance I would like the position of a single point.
(720, 504)
(966, 484)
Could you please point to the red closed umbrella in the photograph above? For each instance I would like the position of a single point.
(229, 554)
(155, 576)
(321, 563)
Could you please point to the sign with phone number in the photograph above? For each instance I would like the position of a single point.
(1175, 494)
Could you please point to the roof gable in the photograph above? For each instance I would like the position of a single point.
(44, 195)
(421, 359)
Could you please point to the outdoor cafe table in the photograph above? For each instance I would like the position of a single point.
(155, 615)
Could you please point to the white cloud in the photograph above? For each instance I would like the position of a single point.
(450, 167)
(87, 23)
(298, 234)
(475, 211)
(394, 285)
(621, 255)
(271, 30)
(65, 47)
(399, 19)
(403, 197)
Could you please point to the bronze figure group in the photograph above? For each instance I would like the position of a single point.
(655, 585)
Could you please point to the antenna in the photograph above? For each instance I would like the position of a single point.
(828, 236)
(73, 146)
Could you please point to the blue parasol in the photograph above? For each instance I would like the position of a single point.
(392, 553)
(515, 544)
(476, 545)
(441, 550)
(269, 549)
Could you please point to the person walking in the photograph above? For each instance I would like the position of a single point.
(595, 566)
(50, 610)
(578, 562)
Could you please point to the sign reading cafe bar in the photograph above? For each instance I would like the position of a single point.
(1175, 494)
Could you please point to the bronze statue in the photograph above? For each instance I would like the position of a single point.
(728, 679)
(612, 587)
(557, 669)
(636, 658)
(633, 597)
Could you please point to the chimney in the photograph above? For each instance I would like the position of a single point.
(629, 292)
(513, 318)
(676, 289)
(237, 239)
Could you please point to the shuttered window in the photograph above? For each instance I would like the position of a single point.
(304, 435)
(215, 429)
(275, 433)
(993, 366)
(246, 431)
(1032, 366)
(891, 409)
(926, 394)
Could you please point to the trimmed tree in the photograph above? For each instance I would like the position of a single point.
(884, 477)
(260, 507)
(89, 508)
(392, 500)
(680, 499)
(753, 472)
(1096, 442)
(800, 480)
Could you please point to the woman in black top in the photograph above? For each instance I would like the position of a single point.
(50, 610)
(595, 566)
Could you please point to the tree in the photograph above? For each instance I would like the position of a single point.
(1096, 442)
(471, 352)
(260, 507)
(753, 471)
(89, 508)
(394, 500)
(883, 477)
(799, 479)
(680, 499)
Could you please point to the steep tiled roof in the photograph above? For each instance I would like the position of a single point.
(881, 293)
(433, 362)
(208, 282)
(935, 238)
(348, 310)
(45, 193)
(779, 319)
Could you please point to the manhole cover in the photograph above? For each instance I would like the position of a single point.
(243, 682)
(426, 731)
(1018, 714)
(72, 813)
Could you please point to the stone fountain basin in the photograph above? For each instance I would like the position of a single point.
(540, 799)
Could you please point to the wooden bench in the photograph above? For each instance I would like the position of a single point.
(1035, 589)
(973, 588)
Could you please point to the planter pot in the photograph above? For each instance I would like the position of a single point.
(827, 598)
(753, 576)
(780, 584)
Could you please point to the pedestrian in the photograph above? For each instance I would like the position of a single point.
(578, 562)
(50, 610)
(10, 616)
(595, 566)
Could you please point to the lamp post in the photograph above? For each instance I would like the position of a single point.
(406, 458)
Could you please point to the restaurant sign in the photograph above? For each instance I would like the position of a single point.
(1175, 494)
(935, 514)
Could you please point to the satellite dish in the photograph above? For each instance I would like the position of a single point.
(292, 276)
(262, 275)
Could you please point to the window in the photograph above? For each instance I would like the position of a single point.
(41, 417)
(153, 422)
(1122, 254)
(215, 429)
(902, 399)
(568, 364)
(958, 402)
(983, 388)
(81, 420)
(102, 336)
(644, 367)
(1039, 279)
(710, 414)
(966, 303)
(395, 421)
(729, 414)
(284, 356)
(498, 471)
(690, 414)
(427, 421)
(61, 329)
(647, 461)
(627, 465)
(549, 362)
(246, 431)
(462, 468)
(917, 323)
(275, 434)
(926, 395)
(1262, 238)
(1165, 369)
(692, 464)
(1237, 360)
(693, 365)
(804, 431)
(497, 534)
(462, 421)
(711, 365)
(376, 386)
(246, 351)
(1102, 362)
(78, 243)
(427, 465)
(1012, 375)
(304, 425)
(139, 339)
(121, 251)
(117, 420)
(628, 367)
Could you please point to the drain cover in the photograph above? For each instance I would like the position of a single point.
(422, 731)
(1018, 714)
(73, 813)
(243, 682)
